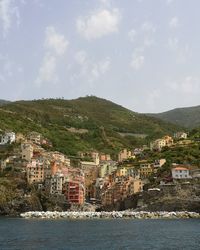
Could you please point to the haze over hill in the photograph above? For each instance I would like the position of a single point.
(188, 117)
(83, 123)
(3, 102)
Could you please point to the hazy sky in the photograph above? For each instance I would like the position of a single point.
(142, 54)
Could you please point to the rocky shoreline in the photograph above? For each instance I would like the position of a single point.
(110, 215)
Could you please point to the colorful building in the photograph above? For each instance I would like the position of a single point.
(35, 171)
(124, 155)
(75, 192)
(180, 172)
(27, 151)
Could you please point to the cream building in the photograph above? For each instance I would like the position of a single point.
(27, 151)
(124, 155)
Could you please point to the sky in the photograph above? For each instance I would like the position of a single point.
(141, 54)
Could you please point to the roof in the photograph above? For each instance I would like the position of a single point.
(180, 168)
(88, 163)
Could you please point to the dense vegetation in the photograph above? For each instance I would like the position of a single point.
(186, 117)
(101, 120)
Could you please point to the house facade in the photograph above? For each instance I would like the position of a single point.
(7, 138)
(180, 135)
(35, 172)
(27, 151)
(124, 155)
(180, 173)
(56, 183)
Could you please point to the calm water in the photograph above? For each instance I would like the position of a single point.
(99, 234)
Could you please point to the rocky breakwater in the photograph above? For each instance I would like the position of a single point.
(110, 215)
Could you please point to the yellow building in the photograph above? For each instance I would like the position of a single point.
(166, 141)
(145, 170)
(121, 172)
(20, 137)
(124, 155)
(136, 186)
(35, 172)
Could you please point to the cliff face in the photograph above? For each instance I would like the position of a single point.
(16, 197)
(177, 197)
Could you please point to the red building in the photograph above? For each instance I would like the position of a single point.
(75, 192)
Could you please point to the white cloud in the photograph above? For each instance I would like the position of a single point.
(39, 3)
(148, 30)
(55, 41)
(55, 45)
(148, 27)
(137, 60)
(8, 68)
(88, 68)
(190, 85)
(186, 86)
(148, 42)
(47, 71)
(169, 1)
(20, 69)
(99, 24)
(8, 11)
(145, 37)
(132, 35)
(105, 2)
(174, 22)
(183, 54)
(81, 57)
(152, 98)
(98, 69)
(2, 78)
(104, 65)
(173, 43)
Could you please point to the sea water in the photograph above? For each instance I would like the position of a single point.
(17, 233)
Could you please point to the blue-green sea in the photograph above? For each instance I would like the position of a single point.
(16, 233)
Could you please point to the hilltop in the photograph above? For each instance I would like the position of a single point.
(186, 117)
(83, 124)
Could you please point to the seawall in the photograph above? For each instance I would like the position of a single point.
(107, 215)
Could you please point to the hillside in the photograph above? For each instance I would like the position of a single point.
(186, 117)
(83, 124)
(3, 102)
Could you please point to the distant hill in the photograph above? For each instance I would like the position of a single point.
(84, 123)
(3, 102)
(186, 117)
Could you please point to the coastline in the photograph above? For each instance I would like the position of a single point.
(110, 215)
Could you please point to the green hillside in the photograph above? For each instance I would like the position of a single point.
(83, 124)
(186, 117)
(3, 102)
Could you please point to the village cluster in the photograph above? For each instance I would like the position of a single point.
(95, 177)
